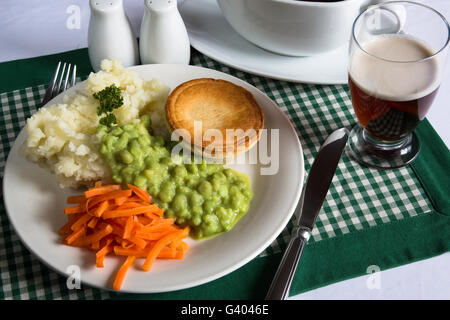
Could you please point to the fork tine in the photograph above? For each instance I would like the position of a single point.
(66, 79)
(58, 88)
(51, 86)
(74, 75)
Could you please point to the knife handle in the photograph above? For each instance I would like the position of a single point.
(281, 283)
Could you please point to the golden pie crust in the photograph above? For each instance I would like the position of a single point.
(219, 105)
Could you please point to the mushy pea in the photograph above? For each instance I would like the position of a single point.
(207, 197)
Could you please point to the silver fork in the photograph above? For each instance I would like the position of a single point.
(54, 89)
(56, 86)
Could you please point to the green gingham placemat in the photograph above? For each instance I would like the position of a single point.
(359, 198)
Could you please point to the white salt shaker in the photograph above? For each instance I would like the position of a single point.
(163, 38)
(110, 35)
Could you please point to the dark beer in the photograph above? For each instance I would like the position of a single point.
(387, 120)
(391, 98)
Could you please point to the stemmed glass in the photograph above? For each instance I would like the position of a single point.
(397, 55)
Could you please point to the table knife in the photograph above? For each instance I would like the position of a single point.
(313, 195)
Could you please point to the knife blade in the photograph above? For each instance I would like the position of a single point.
(314, 193)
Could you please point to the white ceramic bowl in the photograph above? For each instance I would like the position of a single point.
(292, 27)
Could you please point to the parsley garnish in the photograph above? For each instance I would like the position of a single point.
(109, 99)
(108, 120)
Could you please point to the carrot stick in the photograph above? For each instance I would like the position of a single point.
(129, 205)
(179, 255)
(121, 200)
(154, 235)
(129, 212)
(161, 243)
(76, 199)
(158, 226)
(100, 255)
(95, 245)
(128, 227)
(146, 219)
(76, 209)
(142, 194)
(139, 253)
(66, 229)
(183, 246)
(155, 214)
(133, 198)
(115, 194)
(108, 219)
(80, 222)
(128, 244)
(96, 236)
(175, 244)
(120, 276)
(165, 253)
(101, 209)
(75, 235)
(101, 190)
(141, 243)
(93, 222)
(137, 225)
(107, 196)
(117, 229)
(121, 221)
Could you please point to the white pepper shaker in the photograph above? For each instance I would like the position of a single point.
(110, 35)
(163, 38)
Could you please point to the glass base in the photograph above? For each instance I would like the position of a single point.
(381, 155)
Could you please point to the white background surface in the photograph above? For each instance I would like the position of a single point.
(30, 28)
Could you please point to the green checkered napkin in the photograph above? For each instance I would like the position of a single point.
(359, 198)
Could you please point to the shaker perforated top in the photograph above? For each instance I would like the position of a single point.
(159, 5)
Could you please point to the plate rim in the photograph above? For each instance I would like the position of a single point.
(261, 247)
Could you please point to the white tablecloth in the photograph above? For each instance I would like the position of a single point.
(30, 28)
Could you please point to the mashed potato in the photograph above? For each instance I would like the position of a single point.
(62, 137)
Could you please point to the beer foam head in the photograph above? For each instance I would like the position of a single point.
(395, 67)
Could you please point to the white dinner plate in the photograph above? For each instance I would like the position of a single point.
(211, 34)
(35, 203)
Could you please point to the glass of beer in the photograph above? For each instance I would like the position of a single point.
(397, 55)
